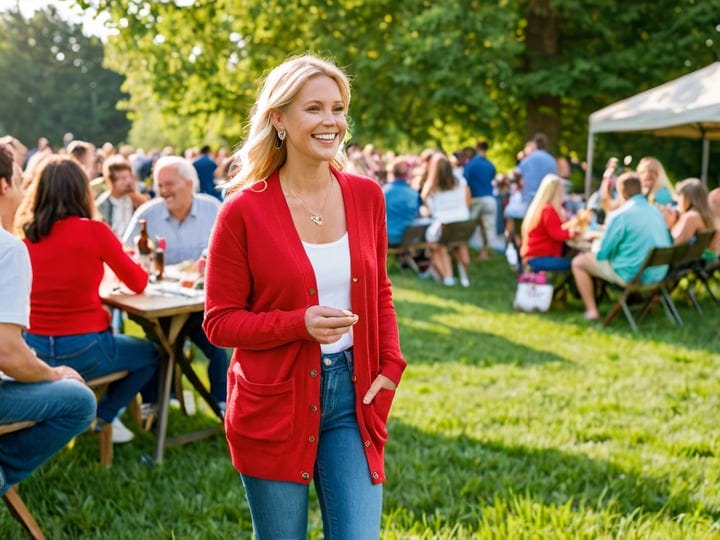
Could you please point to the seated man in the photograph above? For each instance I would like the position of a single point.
(185, 219)
(53, 397)
(401, 202)
(122, 197)
(632, 231)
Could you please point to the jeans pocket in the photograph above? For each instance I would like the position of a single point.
(85, 353)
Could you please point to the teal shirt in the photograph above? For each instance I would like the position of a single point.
(663, 196)
(632, 231)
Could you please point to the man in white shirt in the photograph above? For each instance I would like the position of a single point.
(53, 397)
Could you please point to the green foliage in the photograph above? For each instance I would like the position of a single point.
(425, 73)
(53, 81)
(505, 426)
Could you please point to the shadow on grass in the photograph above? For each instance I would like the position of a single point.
(441, 343)
(493, 289)
(451, 480)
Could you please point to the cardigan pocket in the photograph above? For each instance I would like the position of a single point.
(379, 413)
(262, 412)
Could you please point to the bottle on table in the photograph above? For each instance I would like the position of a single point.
(160, 244)
(144, 247)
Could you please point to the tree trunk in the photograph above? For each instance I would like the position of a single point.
(542, 41)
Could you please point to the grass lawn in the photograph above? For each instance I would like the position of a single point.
(506, 425)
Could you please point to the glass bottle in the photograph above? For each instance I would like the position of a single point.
(144, 247)
(159, 257)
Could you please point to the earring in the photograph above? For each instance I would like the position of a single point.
(281, 137)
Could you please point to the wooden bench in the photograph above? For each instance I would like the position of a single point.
(99, 386)
(11, 497)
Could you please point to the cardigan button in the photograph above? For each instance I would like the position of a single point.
(305, 476)
(311, 291)
(311, 438)
(354, 378)
(375, 475)
(313, 372)
(367, 444)
(313, 408)
(355, 280)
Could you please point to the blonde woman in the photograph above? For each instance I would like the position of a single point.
(655, 182)
(692, 213)
(296, 283)
(545, 229)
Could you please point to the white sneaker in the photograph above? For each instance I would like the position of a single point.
(189, 399)
(121, 434)
(464, 280)
(148, 410)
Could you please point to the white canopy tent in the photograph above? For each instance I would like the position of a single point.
(687, 107)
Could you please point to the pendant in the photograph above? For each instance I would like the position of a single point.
(316, 219)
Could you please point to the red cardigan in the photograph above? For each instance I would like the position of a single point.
(67, 268)
(548, 236)
(259, 282)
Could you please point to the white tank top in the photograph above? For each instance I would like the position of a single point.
(331, 263)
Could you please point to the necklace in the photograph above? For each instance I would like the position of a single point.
(315, 217)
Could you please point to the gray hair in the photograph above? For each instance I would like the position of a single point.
(183, 167)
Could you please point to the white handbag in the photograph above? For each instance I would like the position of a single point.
(533, 293)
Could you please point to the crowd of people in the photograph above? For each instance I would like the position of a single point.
(316, 349)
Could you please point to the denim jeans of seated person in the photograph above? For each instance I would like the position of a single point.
(99, 353)
(62, 410)
(351, 505)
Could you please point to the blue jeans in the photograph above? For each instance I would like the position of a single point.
(350, 503)
(549, 264)
(99, 353)
(62, 410)
(218, 363)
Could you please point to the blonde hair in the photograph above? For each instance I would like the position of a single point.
(546, 194)
(661, 180)
(259, 157)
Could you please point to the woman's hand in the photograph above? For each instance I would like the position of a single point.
(380, 382)
(327, 325)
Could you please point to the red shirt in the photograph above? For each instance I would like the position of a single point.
(548, 236)
(259, 282)
(67, 268)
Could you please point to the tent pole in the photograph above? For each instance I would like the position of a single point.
(588, 165)
(705, 158)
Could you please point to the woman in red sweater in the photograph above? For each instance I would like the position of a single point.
(68, 324)
(545, 229)
(296, 282)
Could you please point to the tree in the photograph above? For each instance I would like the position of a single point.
(54, 82)
(425, 73)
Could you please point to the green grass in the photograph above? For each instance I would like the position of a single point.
(506, 425)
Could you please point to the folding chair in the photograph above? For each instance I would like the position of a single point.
(656, 257)
(706, 271)
(413, 239)
(13, 500)
(687, 260)
(457, 232)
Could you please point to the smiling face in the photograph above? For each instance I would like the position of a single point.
(648, 175)
(176, 191)
(315, 121)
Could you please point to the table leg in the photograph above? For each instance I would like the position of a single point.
(166, 377)
(168, 341)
